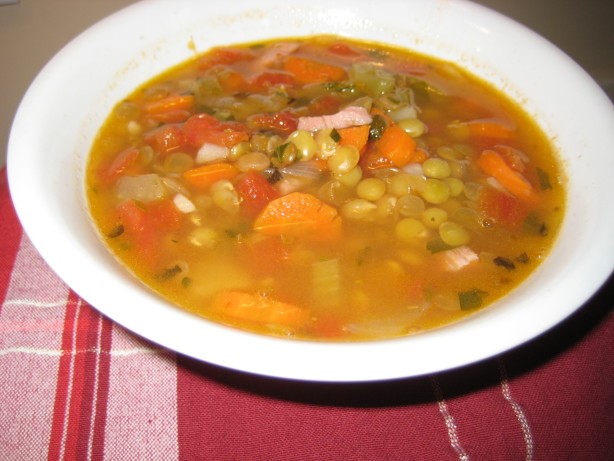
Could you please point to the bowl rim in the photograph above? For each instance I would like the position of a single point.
(51, 198)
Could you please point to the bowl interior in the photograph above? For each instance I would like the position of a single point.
(74, 93)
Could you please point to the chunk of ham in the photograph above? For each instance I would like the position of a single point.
(455, 259)
(350, 116)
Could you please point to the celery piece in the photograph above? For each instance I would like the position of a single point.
(371, 79)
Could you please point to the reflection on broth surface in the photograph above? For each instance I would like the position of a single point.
(324, 188)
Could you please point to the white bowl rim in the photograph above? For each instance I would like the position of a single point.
(51, 206)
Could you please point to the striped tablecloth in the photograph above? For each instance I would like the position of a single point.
(76, 386)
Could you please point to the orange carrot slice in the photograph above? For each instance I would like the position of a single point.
(515, 183)
(310, 71)
(204, 176)
(396, 145)
(356, 136)
(258, 308)
(172, 103)
(300, 215)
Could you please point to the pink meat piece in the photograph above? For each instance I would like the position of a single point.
(350, 116)
(457, 258)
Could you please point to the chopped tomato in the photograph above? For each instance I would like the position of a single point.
(202, 128)
(166, 139)
(343, 49)
(255, 192)
(505, 209)
(144, 225)
(267, 256)
(232, 82)
(268, 79)
(120, 164)
(325, 105)
(224, 56)
(280, 122)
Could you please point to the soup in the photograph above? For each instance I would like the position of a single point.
(324, 188)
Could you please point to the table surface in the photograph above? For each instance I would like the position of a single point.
(75, 385)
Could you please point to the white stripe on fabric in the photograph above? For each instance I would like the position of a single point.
(70, 380)
(94, 350)
(29, 380)
(448, 420)
(520, 415)
(142, 403)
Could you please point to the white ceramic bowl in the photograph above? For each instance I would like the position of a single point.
(68, 101)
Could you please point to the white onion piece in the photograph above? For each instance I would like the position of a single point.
(211, 153)
(183, 204)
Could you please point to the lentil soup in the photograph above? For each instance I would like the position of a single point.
(324, 188)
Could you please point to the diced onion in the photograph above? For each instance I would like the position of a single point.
(183, 203)
(211, 152)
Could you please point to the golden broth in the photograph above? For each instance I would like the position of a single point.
(429, 198)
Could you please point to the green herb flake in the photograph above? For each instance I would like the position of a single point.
(471, 299)
(116, 231)
(340, 87)
(169, 272)
(523, 258)
(278, 153)
(534, 225)
(186, 282)
(544, 180)
(378, 125)
(437, 245)
(506, 263)
(335, 136)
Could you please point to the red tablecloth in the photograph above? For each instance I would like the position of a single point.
(76, 386)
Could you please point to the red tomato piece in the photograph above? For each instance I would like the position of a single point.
(202, 128)
(343, 49)
(120, 164)
(267, 256)
(166, 139)
(256, 192)
(268, 79)
(325, 105)
(505, 209)
(145, 224)
(225, 56)
(280, 123)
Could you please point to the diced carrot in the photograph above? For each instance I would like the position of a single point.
(172, 103)
(515, 183)
(300, 215)
(259, 308)
(419, 156)
(202, 177)
(309, 71)
(396, 145)
(489, 128)
(173, 116)
(356, 136)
